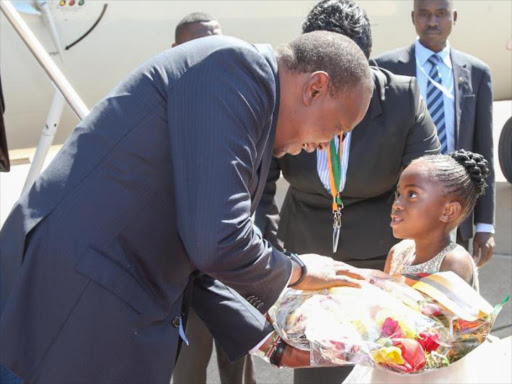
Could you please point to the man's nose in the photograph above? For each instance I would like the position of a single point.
(432, 21)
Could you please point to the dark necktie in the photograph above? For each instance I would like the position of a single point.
(435, 102)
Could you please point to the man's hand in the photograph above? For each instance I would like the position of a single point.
(295, 358)
(483, 248)
(372, 274)
(292, 357)
(324, 272)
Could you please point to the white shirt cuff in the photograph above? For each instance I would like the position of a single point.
(483, 227)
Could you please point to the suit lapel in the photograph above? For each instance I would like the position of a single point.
(312, 159)
(262, 172)
(461, 79)
(266, 158)
(407, 61)
(308, 162)
(353, 160)
(357, 157)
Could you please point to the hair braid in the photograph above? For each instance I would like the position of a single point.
(462, 175)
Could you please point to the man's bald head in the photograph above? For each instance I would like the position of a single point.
(194, 26)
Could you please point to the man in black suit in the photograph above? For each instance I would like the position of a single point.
(156, 189)
(457, 89)
(395, 130)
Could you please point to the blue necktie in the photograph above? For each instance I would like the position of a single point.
(435, 102)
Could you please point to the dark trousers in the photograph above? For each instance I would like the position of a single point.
(193, 359)
(334, 375)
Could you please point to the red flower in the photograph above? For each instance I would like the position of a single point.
(390, 328)
(340, 350)
(338, 346)
(431, 309)
(429, 341)
(412, 353)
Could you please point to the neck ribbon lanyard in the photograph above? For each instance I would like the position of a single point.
(335, 175)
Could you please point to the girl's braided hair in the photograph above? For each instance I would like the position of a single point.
(462, 174)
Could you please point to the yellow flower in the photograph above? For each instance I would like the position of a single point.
(388, 355)
(407, 331)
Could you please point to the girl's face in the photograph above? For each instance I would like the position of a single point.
(419, 204)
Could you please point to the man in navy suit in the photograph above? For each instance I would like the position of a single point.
(156, 189)
(458, 92)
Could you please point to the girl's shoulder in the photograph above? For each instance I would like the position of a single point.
(460, 262)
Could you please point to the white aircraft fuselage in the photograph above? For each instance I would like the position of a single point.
(130, 32)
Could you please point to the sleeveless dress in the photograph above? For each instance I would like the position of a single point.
(460, 371)
(403, 257)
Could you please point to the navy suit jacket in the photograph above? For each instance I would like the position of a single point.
(473, 117)
(153, 190)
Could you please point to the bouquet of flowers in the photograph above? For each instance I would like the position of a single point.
(398, 324)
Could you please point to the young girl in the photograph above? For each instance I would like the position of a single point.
(434, 195)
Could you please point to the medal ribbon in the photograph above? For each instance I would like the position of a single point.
(334, 160)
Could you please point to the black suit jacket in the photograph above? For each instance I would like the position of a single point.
(473, 117)
(158, 184)
(395, 130)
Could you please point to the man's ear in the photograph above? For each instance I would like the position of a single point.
(451, 212)
(412, 17)
(455, 15)
(316, 85)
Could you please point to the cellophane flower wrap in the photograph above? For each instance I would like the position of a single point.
(401, 325)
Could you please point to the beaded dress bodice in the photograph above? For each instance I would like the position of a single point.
(405, 252)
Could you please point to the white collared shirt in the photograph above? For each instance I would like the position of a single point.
(322, 165)
(445, 68)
